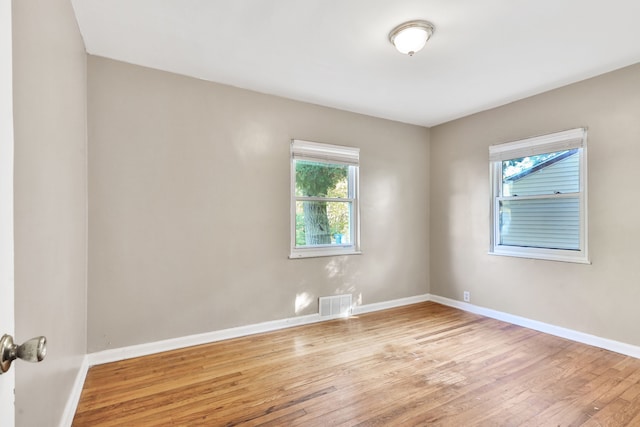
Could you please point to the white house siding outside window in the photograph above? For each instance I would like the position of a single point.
(539, 197)
(325, 213)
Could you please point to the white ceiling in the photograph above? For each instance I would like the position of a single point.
(336, 52)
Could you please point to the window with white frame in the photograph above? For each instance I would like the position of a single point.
(324, 199)
(539, 197)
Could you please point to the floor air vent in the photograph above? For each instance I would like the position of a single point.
(335, 306)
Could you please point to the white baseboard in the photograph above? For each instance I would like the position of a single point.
(129, 352)
(377, 306)
(123, 353)
(581, 337)
(74, 397)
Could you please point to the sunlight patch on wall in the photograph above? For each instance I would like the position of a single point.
(335, 268)
(343, 271)
(303, 300)
(358, 300)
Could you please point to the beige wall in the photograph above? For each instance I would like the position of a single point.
(50, 203)
(189, 207)
(599, 299)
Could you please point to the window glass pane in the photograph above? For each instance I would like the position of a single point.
(323, 223)
(321, 179)
(551, 173)
(541, 223)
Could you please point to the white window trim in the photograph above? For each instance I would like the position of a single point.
(565, 140)
(326, 153)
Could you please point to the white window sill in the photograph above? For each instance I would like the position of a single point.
(323, 252)
(542, 254)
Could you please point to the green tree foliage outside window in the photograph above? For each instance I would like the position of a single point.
(318, 221)
(338, 213)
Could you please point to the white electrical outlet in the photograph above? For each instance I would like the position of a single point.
(467, 296)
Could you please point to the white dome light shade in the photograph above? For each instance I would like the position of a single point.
(411, 36)
(410, 40)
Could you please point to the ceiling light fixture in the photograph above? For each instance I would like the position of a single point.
(411, 36)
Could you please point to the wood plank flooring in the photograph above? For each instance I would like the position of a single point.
(423, 364)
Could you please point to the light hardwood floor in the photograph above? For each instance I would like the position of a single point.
(423, 364)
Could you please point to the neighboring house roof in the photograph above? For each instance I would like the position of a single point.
(541, 165)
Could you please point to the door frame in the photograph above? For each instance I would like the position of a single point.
(7, 314)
